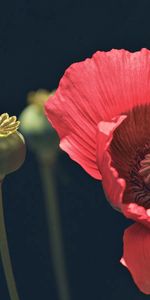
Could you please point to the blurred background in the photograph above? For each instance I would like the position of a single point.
(38, 41)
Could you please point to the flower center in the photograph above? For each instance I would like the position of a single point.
(138, 179)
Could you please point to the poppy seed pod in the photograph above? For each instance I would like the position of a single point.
(40, 136)
(12, 145)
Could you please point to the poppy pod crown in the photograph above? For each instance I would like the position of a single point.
(12, 145)
(8, 125)
(101, 111)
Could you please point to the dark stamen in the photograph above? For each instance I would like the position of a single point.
(144, 171)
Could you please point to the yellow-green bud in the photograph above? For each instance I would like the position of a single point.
(12, 145)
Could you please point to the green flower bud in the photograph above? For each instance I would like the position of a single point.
(41, 137)
(12, 145)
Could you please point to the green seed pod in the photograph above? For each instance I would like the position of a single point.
(40, 136)
(12, 145)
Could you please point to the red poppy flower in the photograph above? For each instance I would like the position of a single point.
(101, 111)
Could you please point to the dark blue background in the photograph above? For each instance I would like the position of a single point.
(38, 40)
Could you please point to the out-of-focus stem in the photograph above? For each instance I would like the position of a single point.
(54, 227)
(5, 256)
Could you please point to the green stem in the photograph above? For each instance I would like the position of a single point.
(54, 227)
(5, 256)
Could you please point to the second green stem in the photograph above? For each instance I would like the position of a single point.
(53, 218)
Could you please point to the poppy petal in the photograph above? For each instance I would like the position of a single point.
(137, 213)
(112, 184)
(136, 256)
(82, 153)
(108, 84)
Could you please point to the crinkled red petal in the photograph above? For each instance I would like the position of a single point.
(137, 213)
(112, 184)
(94, 90)
(136, 255)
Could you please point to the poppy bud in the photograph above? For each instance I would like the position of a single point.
(12, 145)
(41, 137)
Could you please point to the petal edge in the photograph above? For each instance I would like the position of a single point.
(136, 256)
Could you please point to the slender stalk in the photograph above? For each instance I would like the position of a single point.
(54, 227)
(5, 256)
